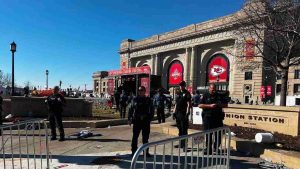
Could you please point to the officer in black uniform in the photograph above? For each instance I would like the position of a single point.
(55, 105)
(159, 102)
(123, 103)
(140, 115)
(183, 108)
(117, 99)
(212, 116)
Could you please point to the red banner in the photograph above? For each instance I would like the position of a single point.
(249, 49)
(110, 86)
(175, 73)
(130, 71)
(218, 69)
(269, 90)
(262, 92)
(146, 83)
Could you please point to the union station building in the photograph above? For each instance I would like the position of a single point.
(201, 54)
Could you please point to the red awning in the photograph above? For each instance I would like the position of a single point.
(130, 71)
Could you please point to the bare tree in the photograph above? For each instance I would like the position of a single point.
(272, 29)
(5, 79)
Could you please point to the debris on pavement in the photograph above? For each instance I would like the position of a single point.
(270, 165)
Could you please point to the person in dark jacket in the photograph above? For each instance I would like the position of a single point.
(196, 98)
(183, 109)
(140, 115)
(117, 100)
(212, 104)
(159, 102)
(55, 105)
(123, 103)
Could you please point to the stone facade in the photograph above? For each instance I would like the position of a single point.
(269, 118)
(100, 82)
(194, 47)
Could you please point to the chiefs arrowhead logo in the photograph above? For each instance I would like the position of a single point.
(217, 70)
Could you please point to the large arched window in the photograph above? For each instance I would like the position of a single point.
(218, 71)
(175, 73)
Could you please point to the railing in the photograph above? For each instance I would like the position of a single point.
(163, 152)
(24, 145)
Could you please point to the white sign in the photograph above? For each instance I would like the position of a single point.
(197, 115)
(202, 87)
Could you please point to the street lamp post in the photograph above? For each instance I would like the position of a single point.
(60, 82)
(47, 73)
(13, 49)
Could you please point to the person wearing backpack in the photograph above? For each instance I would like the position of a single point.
(123, 103)
(140, 115)
(159, 103)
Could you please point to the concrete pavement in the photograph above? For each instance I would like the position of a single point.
(109, 148)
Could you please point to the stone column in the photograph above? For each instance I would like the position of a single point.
(186, 66)
(156, 65)
(99, 85)
(193, 66)
(153, 64)
(95, 85)
(129, 63)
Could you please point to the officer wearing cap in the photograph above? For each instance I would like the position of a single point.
(182, 110)
(212, 116)
(55, 105)
(140, 115)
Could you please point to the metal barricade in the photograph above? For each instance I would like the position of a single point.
(24, 145)
(166, 156)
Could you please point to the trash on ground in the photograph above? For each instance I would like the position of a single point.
(84, 134)
(270, 165)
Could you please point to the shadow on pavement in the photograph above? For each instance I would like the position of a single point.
(124, 161)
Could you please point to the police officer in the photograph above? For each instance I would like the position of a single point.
(140, 115)
(55, 105)
(159, 103)
(123, 103)
(212, 116)
(183, 108)
(117, 99)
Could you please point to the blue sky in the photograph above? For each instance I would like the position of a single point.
(74, 38)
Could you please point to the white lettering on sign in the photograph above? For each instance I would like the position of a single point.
(176, 74)
(257, 118)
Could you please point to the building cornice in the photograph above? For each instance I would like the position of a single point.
(194, 30)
